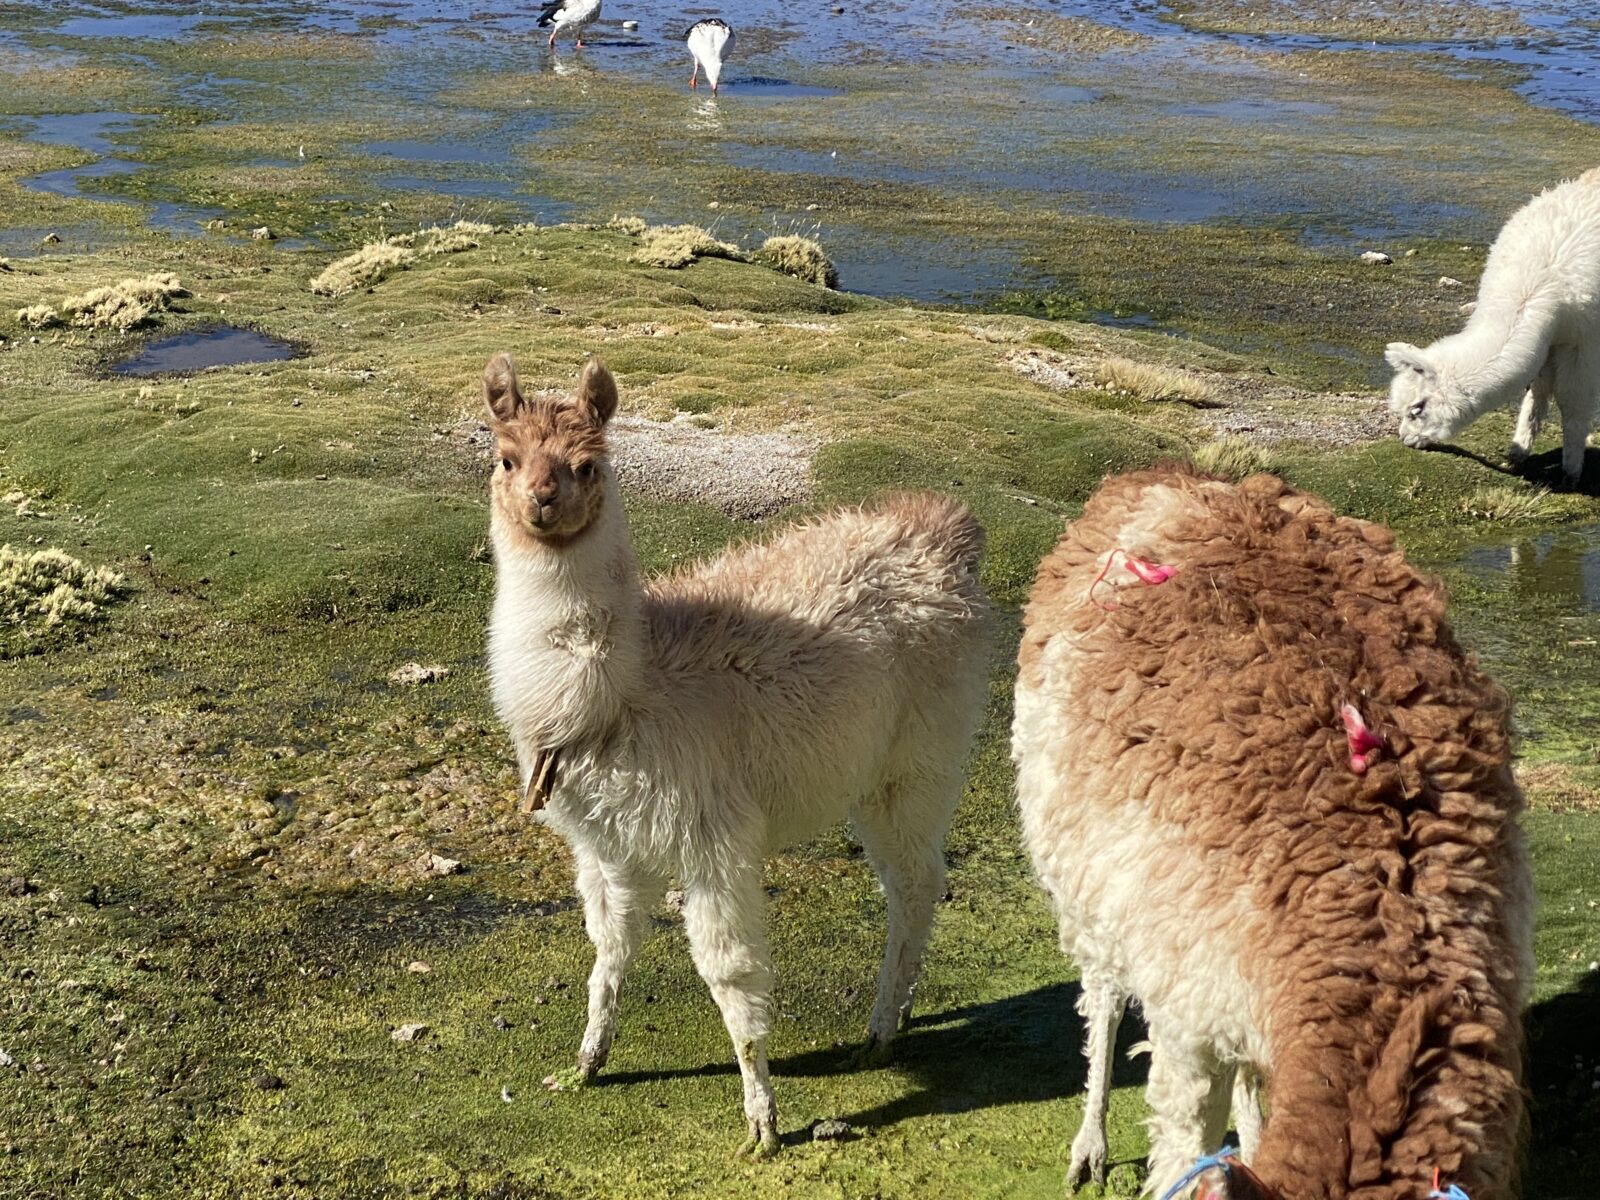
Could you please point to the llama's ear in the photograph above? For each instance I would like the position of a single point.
(1403, 356)
(597, 391)
(500, 391)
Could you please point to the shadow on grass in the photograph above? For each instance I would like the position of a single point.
(1564, 1080)
(1545, 468)
(1017, 1050)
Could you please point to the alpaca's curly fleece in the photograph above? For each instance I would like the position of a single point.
(1363, 938)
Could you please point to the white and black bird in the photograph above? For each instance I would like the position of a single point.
(569, 14)
(710, 41)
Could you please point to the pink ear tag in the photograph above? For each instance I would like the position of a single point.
(1148, 572)
(1364, 744)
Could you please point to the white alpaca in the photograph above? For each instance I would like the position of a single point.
(687, 726)
(1535, 334)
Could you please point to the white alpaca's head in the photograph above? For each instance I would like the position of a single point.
(550, 475)
(1422, 396)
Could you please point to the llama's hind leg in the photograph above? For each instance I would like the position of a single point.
(1535, 407)
(616, 910)
(1101, 1004)
(725, 918)
(1577, 382)
(902, 829)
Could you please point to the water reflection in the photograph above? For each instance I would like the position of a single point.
(1561, 566)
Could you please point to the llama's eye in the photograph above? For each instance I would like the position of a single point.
(506, 463)
(1416, 410)
(586, 470)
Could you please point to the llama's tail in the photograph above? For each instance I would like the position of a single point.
(946, 523)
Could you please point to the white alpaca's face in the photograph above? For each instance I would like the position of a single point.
(1420, 398)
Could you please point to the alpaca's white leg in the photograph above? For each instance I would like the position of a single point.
(1214, 1112)
(616, 912)
(1574, 394)
(1247, 1109)
(1182, 1094)
(1101, 1004)
(725, 918)
(1535, 407)
(902, 830)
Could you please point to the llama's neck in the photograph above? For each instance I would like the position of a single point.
(1355, 1106)
(1492, 361)
(566, 636)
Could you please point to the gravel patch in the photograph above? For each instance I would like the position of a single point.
(1247, 406)
(748, 476)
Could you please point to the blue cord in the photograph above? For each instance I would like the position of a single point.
(1454, 1192)
(1220, 1159)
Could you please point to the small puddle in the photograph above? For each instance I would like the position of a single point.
(202, 349)
(1564, 565)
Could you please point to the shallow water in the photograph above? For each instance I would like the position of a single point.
(1004, 121)
(107, 134)
(202, 349)
(1563, 566)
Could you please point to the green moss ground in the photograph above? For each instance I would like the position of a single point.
(218, 799)
(211, 805)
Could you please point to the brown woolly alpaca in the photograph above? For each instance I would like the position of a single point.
(1343, 905)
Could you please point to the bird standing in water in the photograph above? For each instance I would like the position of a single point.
(710, 41)
(573, 14)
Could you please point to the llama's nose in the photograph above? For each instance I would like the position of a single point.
(542, 489)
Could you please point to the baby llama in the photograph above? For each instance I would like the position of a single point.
(1534, 334)
(684, 727)
(1271, 799)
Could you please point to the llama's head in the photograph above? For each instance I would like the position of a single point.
(1421, 396)
(550, 469)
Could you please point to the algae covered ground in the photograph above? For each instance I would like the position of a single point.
(245, 728)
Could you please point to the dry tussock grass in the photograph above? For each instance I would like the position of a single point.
(1148, 381)
(674, 246)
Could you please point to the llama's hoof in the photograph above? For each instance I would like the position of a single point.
(876, 1053)
(1517, 458)
(569, 1080)
(762, 1142)
(1086, 1168)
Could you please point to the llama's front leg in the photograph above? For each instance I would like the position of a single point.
(1247, 1109)
(1186, 1094)
(1535, 407)
(616, 910)
(1101, 1004)
(725, 918)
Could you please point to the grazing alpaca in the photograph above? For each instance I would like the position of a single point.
(710, 42)
(687, 726)
(1535, 334)
(1272, 800)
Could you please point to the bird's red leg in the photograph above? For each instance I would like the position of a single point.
(552, 42)
(694, 76)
